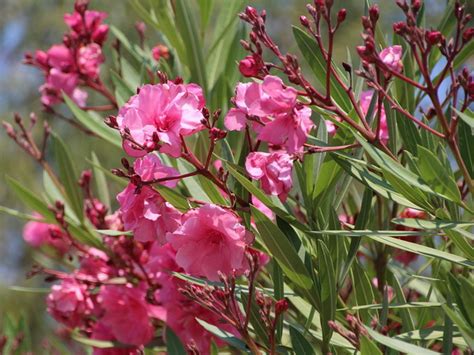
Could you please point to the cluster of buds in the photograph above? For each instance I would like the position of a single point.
(76, 61)
(356, 330)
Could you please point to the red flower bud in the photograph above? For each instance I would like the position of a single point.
(251, 12)
(81, 6)
(341, 15)
(416, 5)
(433, 37)
(250, 66)
(399, 27)
(374, 13)
(468, 34)
(281, 306)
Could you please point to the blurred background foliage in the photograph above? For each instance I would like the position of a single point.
(26, 25)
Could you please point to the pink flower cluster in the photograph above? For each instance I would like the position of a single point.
(74, 62)
(271, 110)
(208, 241)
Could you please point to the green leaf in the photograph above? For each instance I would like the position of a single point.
(175, 198)
(18, 214)
(96, 126)
(229, 338)
(284, 253)
(185, 22)
(466, 330)
(466, 145)
(68, 176)
(30, 200)
(315, 59)
(299, 342)
(398, 345)
(368, 347)
(258, 193)
(100, 181)
(434, 224)
(173, 344)
(437, 176)
(328, 296)
(467, 116)
(421, 249)
(123, 91)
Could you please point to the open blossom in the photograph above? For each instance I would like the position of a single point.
(60, 69)
(166, 111)
(392, 57)
(126, 313)
(273, 170)
(69, 302)
(210, 239)
(273, 112)
(289, 130)
(147, 214)
(150, 168)
(89, 60)
(38, 234)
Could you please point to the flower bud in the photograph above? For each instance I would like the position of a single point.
(399, 27)
(341, 15)
(374, 13)
(416, 5)
(251, 12)
(468, 34)
(304, 21)
(250, 66)
(281, 306)
(433, 37)
(81, 6)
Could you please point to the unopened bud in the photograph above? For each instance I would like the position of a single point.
(374, 13)
(341, 15)
(81, 6)
(281, 306)
(399, 27)
(433, 37)
(468, 34)
(304, 21)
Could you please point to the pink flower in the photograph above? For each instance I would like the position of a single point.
(91, 26)
(260, 100)
(150, 168)
(289, 130)
(38, 234)
(160, 51)
(126, 313)
(250, 66)
(165, 110)
(365, 99)
(273, 170)
(392, 57)
(147, 214)
(69, 302)
(210, 239)
(94, 266)
(272, 111)
(89, 60)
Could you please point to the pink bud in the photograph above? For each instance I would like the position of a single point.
(304, 21)
(374, 13)
(249, 66)
(399, 27)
